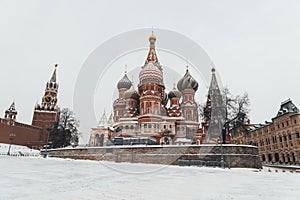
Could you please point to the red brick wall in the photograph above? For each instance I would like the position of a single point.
(44, 119)
(26, 135)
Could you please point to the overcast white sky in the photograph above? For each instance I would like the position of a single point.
(253, 44)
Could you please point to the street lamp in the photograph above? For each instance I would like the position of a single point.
(11, 139)
(222, 153)
(221, 129)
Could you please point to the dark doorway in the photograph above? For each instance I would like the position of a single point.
(270, 157)
(276, 157)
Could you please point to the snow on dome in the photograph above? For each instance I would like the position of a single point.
(187, 81)
(131, 93)
(174, 93)
(124, 83)
(150, 73)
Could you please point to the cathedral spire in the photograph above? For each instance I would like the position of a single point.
(110, 121)
(103, 120)
(152, 57)
(213, 83)
(215, 111)
(53, 78)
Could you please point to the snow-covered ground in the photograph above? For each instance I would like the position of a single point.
(18, 150)
(53, 178)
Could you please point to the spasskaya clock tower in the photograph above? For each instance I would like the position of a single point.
(46, 114)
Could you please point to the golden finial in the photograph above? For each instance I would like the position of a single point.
(125, 69)
(187, 65)
(152, 36)
(56, 65)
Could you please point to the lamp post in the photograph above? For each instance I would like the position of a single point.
(11, 139)
(222, 153)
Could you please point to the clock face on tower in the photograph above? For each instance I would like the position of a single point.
(47, 99)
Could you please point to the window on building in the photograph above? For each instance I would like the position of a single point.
(131, 127)
(278, 126)
(282, 125)
(149, 125)
(126, 127)
(165, 126)
(284, 137)
(287, 123)
(145, 125)
(295, 121)
(280, 138)
(298, 135)
(170, 126)
(290, 137)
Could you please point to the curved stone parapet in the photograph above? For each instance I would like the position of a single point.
(234, 156)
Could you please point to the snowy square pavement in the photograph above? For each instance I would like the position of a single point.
(53, 178)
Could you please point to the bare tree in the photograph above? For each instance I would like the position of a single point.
(236, 110)
(66, 131)
(237, 107)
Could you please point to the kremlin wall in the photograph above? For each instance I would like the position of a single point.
(45, 115)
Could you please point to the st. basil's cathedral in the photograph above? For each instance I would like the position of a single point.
(144, 111)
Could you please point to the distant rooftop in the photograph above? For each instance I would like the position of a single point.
(287, 107)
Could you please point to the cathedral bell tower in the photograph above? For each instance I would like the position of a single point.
(151, 87)
(46, 114)
(188, 86)
(119, 104)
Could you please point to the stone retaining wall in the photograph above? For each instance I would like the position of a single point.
(241, 156)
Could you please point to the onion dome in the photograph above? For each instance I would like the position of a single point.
(124, 83)
(187, 81)
(131, 93)
(151, 73)
(174, 93)
(120, 101)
